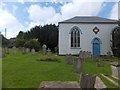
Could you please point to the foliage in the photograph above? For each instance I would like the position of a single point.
(20, 35)
(33, 43)
(20, 42)
(47, 34)
(5, 41)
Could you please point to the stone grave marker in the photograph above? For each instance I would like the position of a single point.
(27, 50)
(0, 52)
(44, 47)
(23, 50)
(14, 50)
(87, 81)
(7, 50)
(56, 50)
(69, 59)
(78, 65)
(81, 55)
(109, 54)
(33, 51)
(115, 67)
(100, 64)
(48, 53)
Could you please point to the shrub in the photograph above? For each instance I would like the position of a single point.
(32, 44)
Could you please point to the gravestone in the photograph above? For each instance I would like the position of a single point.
(27, 50)
(7, 50)
(100, 65)
(69, 59)
(14, 50)
(87, 54)
(81, 56)
(109, 54)
(23, 50)
(78, 65)
(56, 50)
(48, 53)
(0, 52)
(115, 67)
(44, 47)
(87, 81)
(33, 51)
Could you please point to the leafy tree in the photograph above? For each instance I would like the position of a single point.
(19, 42)
(20, 35)
(33, 43)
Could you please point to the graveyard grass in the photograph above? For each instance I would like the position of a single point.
(23, 71)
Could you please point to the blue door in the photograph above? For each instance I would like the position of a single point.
(96, 47)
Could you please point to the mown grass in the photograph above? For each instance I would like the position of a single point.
(23, 71)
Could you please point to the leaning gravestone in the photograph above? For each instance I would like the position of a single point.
(14, 50)
(33, 51)
(69, 59)
(44, 47)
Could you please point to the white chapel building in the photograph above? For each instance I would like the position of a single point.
(89, 33)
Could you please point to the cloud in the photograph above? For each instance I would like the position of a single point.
(114, 12)
(7, 20)
(37, 13)
(47, 15)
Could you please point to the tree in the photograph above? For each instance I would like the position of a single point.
(20, 35)
(33, 43)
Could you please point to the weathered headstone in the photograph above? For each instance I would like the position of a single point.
(7, 50)
(27, 50)
(69, 59)
(44, 47)
(48, 53)
(56, 50)
(14, 50)
(100, 65)
(33, 51)
(81, 55)
(109, 54)
(115, 67)
(0, 52)
(87, 81)
(23, 50)
(78, 65)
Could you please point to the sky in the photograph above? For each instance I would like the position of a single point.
(22, 15)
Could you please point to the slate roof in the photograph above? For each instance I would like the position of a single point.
(89, 19)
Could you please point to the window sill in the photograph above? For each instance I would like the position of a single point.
(75, 48)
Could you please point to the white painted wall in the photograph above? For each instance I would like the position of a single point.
(85, 38)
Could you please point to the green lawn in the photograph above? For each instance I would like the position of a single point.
(23, 71)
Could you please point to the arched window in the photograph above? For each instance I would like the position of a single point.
(75, 37)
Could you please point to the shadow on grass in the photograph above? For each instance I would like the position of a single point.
(48, 60)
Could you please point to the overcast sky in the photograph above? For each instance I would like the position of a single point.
(21, 15)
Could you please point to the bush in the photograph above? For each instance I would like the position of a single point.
(20, 42)
(32, 44)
